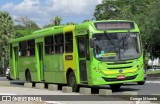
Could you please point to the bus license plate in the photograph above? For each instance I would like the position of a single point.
(121, 77)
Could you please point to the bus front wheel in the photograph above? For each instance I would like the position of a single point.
(72, 82)
(28, 76)
(115, 87)
(141, 83)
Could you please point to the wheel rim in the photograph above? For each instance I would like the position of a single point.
(72, 81)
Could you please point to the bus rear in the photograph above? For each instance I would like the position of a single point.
(117, 53)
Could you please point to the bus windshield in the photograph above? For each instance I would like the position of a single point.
(116, 46)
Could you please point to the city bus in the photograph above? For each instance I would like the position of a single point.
(95, 53)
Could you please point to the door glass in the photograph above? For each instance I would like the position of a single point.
(81, 46)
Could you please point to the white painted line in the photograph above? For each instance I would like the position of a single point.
(152, 81)
(53, 102)
(7, 94)
(2, 77)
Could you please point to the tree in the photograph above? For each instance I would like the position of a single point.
(6, 24)
(150, 27)
(48, 25)
(70, 23)
(120, 9)
(106, 10)
(25, 26)
(26, 22)
(86, 20)
(56, 21)
(6, 32)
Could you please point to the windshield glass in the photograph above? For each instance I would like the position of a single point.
(116, 46)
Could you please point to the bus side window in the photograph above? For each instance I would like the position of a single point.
(68, 42)
(82, 47)
(31, 48)
(49, 45)
(59, 43)
(28, 53)
(23, 48)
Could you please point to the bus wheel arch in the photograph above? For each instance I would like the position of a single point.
(71, 80)
(28, 75)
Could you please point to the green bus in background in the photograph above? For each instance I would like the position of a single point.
(107, 52)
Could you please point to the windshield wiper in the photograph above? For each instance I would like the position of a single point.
(123, 40)
(97, 49)
(106, 34)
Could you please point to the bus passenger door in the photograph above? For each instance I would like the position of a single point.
(82, 53)
(16, 61)
(40, 56)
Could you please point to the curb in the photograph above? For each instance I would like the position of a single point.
(5, 83)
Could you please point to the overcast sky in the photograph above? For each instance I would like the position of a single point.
(42, 11)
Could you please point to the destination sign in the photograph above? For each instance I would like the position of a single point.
(113, 25)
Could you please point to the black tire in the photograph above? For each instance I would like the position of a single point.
(72, 82)
(9, 77)
(115, 87)
(141, 83)
(28, 77)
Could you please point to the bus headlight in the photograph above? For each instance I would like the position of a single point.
(96, 69)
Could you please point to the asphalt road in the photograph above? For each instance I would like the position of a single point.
(151, 87)
(16, 88)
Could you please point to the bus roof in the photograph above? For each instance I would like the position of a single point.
(59, 29)
(40, 33)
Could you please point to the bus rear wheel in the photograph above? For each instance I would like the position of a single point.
(115, 87)
(28, 76)
(72, 82)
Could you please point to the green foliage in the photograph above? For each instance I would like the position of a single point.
(6, 32)
(26, 22)
(23, 32)
(70, 23)
(6, 29)
(120, 9)
(24, 27)
(56, 21)
(150, 27)
(49, 25)
(86, 20)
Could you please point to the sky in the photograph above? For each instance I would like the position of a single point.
(43, 11)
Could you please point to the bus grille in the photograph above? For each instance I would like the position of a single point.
(119, 62)
(120, 67)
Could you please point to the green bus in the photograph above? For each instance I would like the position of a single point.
(107, 52)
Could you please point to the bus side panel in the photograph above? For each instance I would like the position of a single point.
(13, 71)
(30, 64)
(54, 69)
(11, 68)
(70, 57)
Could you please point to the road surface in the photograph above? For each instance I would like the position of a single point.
(17, 88)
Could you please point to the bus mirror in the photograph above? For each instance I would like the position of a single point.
(91, 42)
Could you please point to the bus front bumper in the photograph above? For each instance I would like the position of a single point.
(130, 77)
